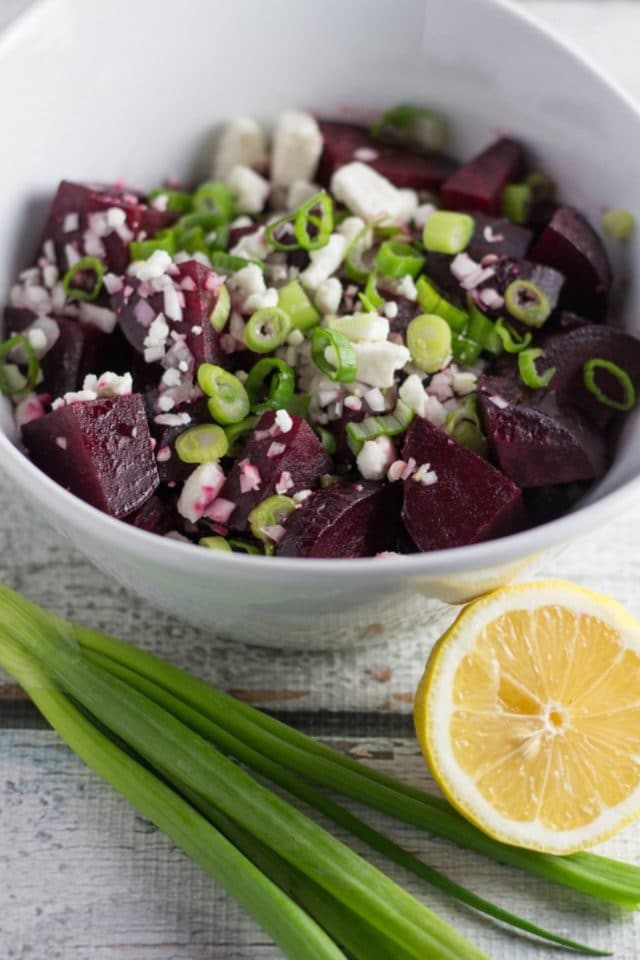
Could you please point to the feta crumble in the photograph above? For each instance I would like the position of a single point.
(297, 145)
(370, 195)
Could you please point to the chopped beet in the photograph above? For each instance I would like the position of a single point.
(544, 504)
(303, 457)
(100, 450)
(401, 166)
(497, 235)
(470, 500)
(407, 310)
(137, 312)
(478, 185)
(568, 350)
(81, 200)
(571, 245)
(344, 520)
(155, 516)
(542, 445)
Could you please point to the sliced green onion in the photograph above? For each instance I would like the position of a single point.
(463, 425)
(293, 299)
(243, 546)
(229, 263)
(482, 329)
(395, 258)
(528, 372)
(447, 232)
(322, 222)
(220, 313)
(236, 431)
(429, 342)
(389, 425)
(177, 201)
(270, 513)
(272, 231)
(410, 124)
(279, 380)
(85, 265)
(202, 444)
(143, 249)
(371, 299)
(266, 329)
(431, 301)
(215, 543)
(214, 199)
(517, 201)
(527, 302)
(511, 341)
(327, 439)
(356, 263)
(344, 368)
(465, 350)
(12, 385)
(228, 400)
(623, 378)
(618, 224)
(299, 405)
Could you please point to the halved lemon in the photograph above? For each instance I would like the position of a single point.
(528, 714)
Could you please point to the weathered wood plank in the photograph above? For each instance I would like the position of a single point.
(84, 878)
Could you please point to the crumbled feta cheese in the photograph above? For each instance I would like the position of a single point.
(296, 149)
(425, 475)
(370, 195)
(299, 192)
(375, 458)
(155, 341)
(351, 227)
(152, 268)
(283, 421)
(422, 403)
(241, 142)
(77, 396)
(109, 384)
(100, 317)
(165, 403)
(257, 301)
(50, 275)
(249, 282)
(172, 303)
(405, 287)
(377, 362)
(200, 490)
(253, 246)
(328, 296)
(370, 327)
(375, 400)
(249, 189)
(324, 262)
(391, 310)
(171, 377)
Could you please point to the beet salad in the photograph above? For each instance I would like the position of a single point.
(343, 344)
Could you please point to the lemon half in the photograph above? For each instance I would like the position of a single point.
(528, 714)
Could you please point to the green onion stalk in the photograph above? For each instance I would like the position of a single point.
(256, 844)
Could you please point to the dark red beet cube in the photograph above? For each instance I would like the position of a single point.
(155, 516)
(197, 288)
(544, 504)
(568, 350)
(478, 185)
(470, 500)
(542, 445)
(100, 450)
(403, 167)
(296, 456)
(70, 217)
(571, 245)
(499, 236)
(344, 520)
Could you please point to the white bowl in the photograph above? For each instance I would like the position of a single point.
(133, 91)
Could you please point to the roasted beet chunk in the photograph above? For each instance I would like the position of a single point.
(572, 246)
(100, 450)
(541, 445)
(569, 351)
(500, 236)
(344, 520)
(346, 142)
(155, 516)
(185, 297)
(85, 219)
(282, 455)
(458, 498)
(478, 185)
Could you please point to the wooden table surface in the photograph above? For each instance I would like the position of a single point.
(83, 878)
